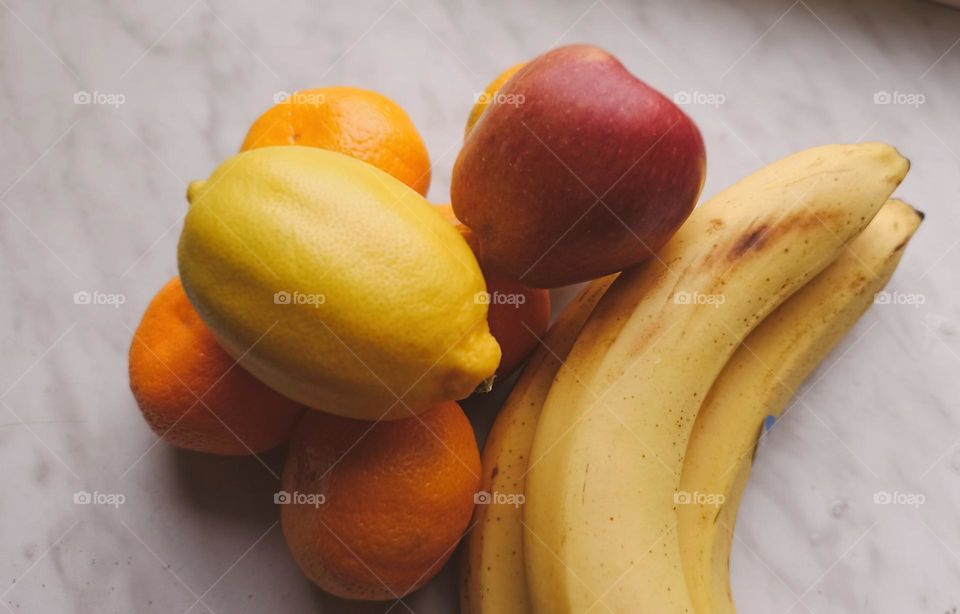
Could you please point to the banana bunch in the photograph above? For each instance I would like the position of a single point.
(620, 457)
(759, 381)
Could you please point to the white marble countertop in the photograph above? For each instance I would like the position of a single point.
(93, 196)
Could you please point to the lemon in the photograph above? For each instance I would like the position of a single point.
(335, 284)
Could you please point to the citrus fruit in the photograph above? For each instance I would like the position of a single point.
(518, 315)
(489, 94)
(336, 284)
(375, 509)
(191, 392)
(356, 122)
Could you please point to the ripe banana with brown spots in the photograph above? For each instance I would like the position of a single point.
(600, 519)
(759, 381)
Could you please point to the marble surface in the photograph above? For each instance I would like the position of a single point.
(93, 197)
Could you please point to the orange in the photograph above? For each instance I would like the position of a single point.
(174, 359)
(518, 315)
(356, 122)
(487, 96)
(374, 510)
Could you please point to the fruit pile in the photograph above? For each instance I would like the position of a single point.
(322, 300)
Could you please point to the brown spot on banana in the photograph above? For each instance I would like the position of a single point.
(755, 239)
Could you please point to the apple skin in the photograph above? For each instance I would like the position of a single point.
(578, 170)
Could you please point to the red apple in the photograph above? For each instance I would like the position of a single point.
(577, 169)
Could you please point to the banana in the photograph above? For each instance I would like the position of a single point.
(759, 380)
(492, 574)
(723, 540)
(600, 519)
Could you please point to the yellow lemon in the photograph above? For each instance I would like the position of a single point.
(335, 284)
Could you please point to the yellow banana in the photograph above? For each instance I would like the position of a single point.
(759, 380)
(492, 574)
(600, 519)
(723, 540)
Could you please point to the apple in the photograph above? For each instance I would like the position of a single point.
(576, 169)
